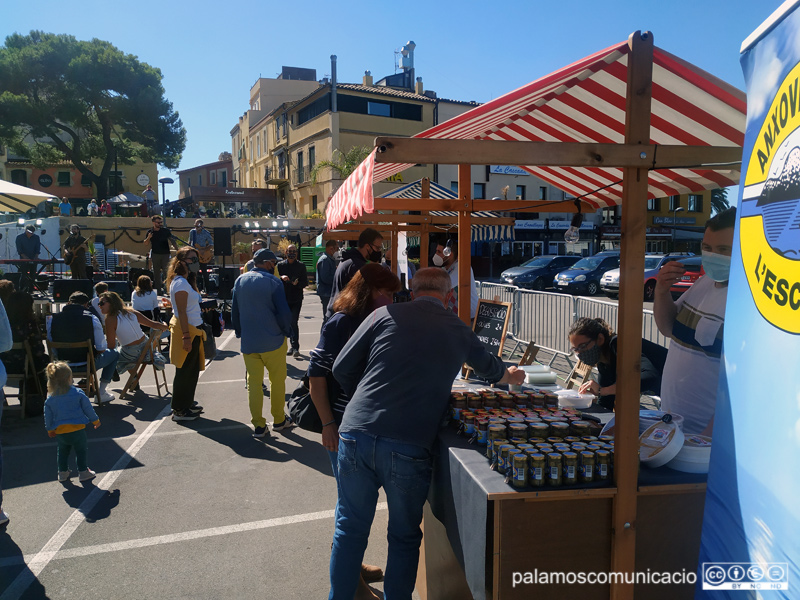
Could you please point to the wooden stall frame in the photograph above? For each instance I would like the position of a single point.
(636, 156)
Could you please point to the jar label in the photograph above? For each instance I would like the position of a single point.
(553, 472)
(519, 474)
(537, 473)
(570, 471)
(603, 470)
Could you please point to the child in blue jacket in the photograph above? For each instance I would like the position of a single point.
(67, 410)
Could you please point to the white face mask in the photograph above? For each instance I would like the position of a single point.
(438, 261)
(717, 266)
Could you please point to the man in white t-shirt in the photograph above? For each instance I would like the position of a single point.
(695, 325)
(447, 257)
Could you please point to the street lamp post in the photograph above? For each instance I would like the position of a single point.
(677, 210)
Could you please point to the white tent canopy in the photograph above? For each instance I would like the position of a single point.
(17, 198)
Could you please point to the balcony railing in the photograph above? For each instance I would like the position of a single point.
(275, 176)
(301, 175)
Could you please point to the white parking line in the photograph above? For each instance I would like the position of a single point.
(38, 563)
(185, 536)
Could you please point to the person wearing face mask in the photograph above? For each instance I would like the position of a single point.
(262, 319)
(160, 239)
(595, 344)
(186, 342)
(447, 257)
(294, 276)
(74, 252)
(370, 288)
(695, 325)
(368, 248)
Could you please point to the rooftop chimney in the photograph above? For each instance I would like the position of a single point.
(368, 78)
(333, 83)
(418, 87)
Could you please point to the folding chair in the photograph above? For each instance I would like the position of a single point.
(152, 346)
(530, 355)
(88, 371)
(580, 375)
(29, 370)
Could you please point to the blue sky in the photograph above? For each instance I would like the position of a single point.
(211, 53)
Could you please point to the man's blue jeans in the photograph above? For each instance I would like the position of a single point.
(367, 463)
(106, 360)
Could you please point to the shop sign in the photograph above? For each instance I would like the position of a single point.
(564, 225)
(537, 224)
(45, 180)
(218, 194)
(507, 170)
(678, 221)
(616, 230)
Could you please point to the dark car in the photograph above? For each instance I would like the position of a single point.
(584, 276)
(694, 270)
(538, 272)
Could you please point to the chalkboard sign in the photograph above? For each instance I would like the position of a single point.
(491, 324)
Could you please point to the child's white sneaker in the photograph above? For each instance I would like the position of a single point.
(86, 475)
(64, 476)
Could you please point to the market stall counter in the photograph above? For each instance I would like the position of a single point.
(485, 539)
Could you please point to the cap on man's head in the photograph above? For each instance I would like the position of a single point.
(30, 228)
(264, 255)
(78, 298)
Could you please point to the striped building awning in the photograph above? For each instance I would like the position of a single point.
(585, 102)
(480, 233)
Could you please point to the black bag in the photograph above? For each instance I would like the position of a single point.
(301, 407)
(212, 318)
(209, 345)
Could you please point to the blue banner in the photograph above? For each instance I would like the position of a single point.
(751, 528)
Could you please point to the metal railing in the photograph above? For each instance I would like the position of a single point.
(545, 318)
(301, 175)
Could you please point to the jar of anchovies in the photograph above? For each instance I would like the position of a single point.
(587, 467)
(570, 468)
(602, 464)
(519, 473)
(536, 469)
(554, 468)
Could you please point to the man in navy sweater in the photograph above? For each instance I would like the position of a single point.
(262, 319)
(398, 368)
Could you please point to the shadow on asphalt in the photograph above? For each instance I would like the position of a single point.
(223, 354)
(239, 438)
(13, 565)
(75, 494)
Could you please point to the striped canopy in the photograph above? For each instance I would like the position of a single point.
(585, 102)
(480, 233)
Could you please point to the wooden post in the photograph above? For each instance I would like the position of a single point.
(634, 221)
(424, 242)
(464, 239)
(393, 248)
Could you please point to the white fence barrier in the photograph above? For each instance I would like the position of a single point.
(546, 317)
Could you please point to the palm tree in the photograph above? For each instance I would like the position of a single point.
(719, 200)
(343, 163)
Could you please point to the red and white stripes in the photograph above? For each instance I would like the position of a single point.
(585, 102)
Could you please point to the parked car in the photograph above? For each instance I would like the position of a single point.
(538, 272)
(584, 276)
(694, 270)
(652, 265)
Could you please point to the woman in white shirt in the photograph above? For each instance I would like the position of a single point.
(123, 325)
(186, 343)
(145, 299)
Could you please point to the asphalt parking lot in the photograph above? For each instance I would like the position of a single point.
(178, 510)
